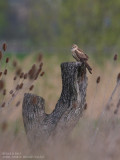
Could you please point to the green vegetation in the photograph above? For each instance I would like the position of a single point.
(3, 17)
(60, 23)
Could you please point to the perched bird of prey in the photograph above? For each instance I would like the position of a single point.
(79, 55)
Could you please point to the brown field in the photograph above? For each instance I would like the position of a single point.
(97, 135)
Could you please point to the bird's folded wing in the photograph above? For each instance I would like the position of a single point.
(81, 56)
(82, 52)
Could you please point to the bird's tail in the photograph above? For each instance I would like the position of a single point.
(88, 67)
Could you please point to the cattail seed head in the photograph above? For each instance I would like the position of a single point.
(3, 104)
(98, 80)
(20, 86)
(115, 57)
(21, 75)
(31, 87)
(41, 64)
(118, 77)
(25, 76)
(7, 59)
(1, 55)
(37, 74)
(32, 72)
(4, 92)
(39, 70)
(1, 84)
(18, 103)
(14, 78)
(17, 87)
(11, 92)
(42, 73)
(4, 46)
(5, 72)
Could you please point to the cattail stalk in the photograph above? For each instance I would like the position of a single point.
(4, 47)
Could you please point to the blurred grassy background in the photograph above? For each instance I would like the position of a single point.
(53, 26)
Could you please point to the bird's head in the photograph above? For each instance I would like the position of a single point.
(74, 47)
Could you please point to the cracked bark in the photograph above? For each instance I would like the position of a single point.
(41, 127)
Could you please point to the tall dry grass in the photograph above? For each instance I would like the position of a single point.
(95, 137)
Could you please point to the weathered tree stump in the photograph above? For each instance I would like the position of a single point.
(41, 127)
